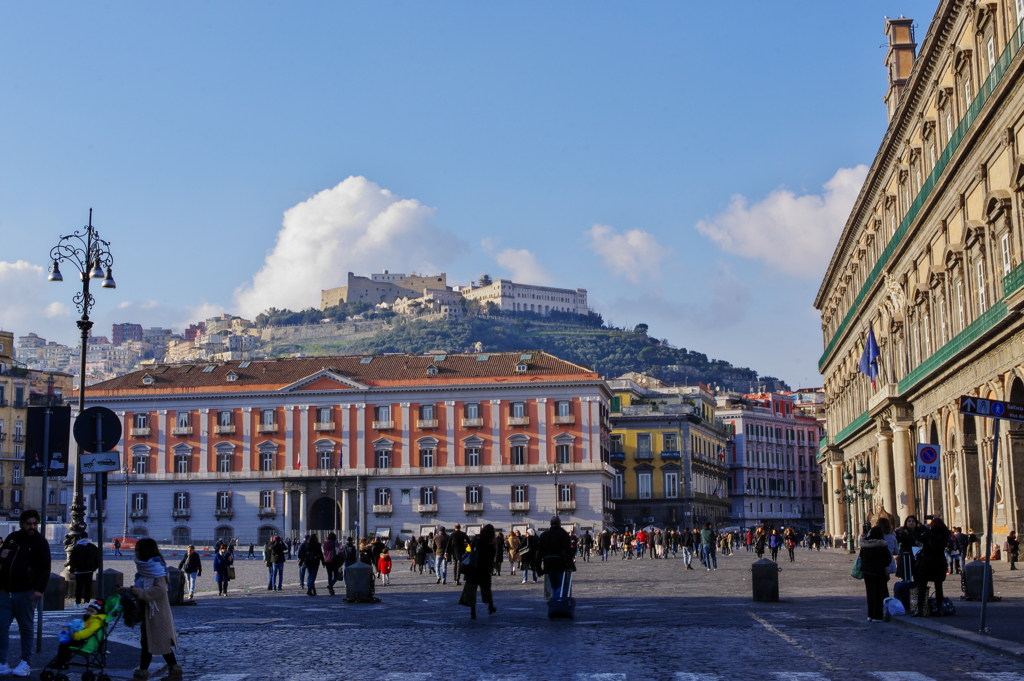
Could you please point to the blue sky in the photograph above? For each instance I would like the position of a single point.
(593, 145)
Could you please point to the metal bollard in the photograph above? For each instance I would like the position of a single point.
(56, 592)
(765, 578)
(175, 585)
(358, 582)
(109, 582)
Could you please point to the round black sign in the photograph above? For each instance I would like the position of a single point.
(85, 430)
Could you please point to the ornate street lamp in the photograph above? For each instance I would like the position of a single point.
(849, 500)
(91, 257)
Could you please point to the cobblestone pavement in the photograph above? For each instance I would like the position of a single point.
(635, 620)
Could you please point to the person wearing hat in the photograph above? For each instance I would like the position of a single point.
(78, 631)
(24, 574)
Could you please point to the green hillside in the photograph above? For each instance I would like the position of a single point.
(611, 352)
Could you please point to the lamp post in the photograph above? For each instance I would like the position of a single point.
(555, 469)
(127, 474)
(91, 257)
(848, 499)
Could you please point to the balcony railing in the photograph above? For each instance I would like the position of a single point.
(266, 427)
(472, 423)
(323, 426)
(671, 455)
(644, 455)
(383, 425)
(518, 420)
(519, 506)
(223, 430)
(473, 508)
(139, 514)
(266, 512)
(181, 430)
(565, 505)
(565, 420)
(617, 456)
(426, 508)
(1000, 67)
(384, 509)
(139, 432)
(426, 423)
(223, 513)
(181, 512)
(2, 435)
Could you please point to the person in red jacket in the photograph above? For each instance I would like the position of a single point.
(641, 543)
(384, 567)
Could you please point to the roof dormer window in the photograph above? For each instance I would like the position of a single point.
(431, 370)
(521, 368)
(232, 376)
(148, 380)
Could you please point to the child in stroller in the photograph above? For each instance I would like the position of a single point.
(85, 637)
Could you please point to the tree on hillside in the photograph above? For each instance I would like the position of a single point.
(640, 328)
(485, 280)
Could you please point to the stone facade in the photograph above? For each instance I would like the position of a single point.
(381, 288)
(930, 262)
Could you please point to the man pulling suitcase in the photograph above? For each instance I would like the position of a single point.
(554, 560)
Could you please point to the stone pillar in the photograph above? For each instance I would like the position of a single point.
(885, 471)
(346, 525)
(286, 516)
(903, 476)
(302, 513)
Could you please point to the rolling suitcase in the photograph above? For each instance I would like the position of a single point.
(562, 606)
(901, 590)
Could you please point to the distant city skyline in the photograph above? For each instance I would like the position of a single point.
(697, 189)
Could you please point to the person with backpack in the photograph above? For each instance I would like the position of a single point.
(332, 560)
(441, 555)
(84, 561)
(192, 567)
(301, 556)
(349, 555)
(458, 543)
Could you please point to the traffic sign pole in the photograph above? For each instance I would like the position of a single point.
(988, 532)
(99, 508)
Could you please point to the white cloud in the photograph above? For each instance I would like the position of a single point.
(25, 305)
(630, 254)
(794, 234)
(523, 266)
(356, 226)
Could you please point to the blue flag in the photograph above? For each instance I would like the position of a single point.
(869, 358)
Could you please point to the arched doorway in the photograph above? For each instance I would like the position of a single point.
(223, 533)
(324, 516)
(1016, 458)
(181, 536)
(266, 533)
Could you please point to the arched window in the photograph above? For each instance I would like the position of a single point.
(181, 536)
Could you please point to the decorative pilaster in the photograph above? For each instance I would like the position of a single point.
(304, 437)
(449, 444)
(289, 445)
(542, 430)
(204, 442)
(361, 439)
(246, 439)
(346, 433)
(495, 430)
(406, 452)
(161, 447)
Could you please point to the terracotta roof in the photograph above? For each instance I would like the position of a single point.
(390, 370)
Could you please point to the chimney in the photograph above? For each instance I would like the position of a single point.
(899, 59)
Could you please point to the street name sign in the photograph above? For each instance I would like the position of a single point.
(993, 409)
(928, 462)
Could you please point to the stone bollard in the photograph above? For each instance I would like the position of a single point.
(765, 577)
(175, 585)
(358, 582)
(108, 583)
(56, 592)
(974, 576)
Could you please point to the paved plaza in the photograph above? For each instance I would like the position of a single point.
(636, 620)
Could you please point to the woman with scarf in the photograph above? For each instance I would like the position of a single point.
(150, 588)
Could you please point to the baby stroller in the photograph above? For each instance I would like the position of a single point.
(93, 649)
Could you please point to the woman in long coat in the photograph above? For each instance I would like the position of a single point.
(222, 569)
(931, 564)
(514, 540)
(158, 634)
(479, 575)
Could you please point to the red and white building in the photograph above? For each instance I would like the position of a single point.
(774, 477)
(395, 444)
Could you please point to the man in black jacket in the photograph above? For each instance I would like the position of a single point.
(192, 566)
(457, 549)
(84, 561)
(24, 574)
(554, 557)
(686, 542)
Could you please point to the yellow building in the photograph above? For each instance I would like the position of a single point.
(19, 389)
(668, 452)
(929, 265)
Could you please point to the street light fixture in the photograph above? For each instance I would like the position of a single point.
(127, 475)
(91, 256)
(555, 469)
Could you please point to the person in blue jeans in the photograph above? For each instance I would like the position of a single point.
(24, 574)
(707, 545)
(278, 552)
